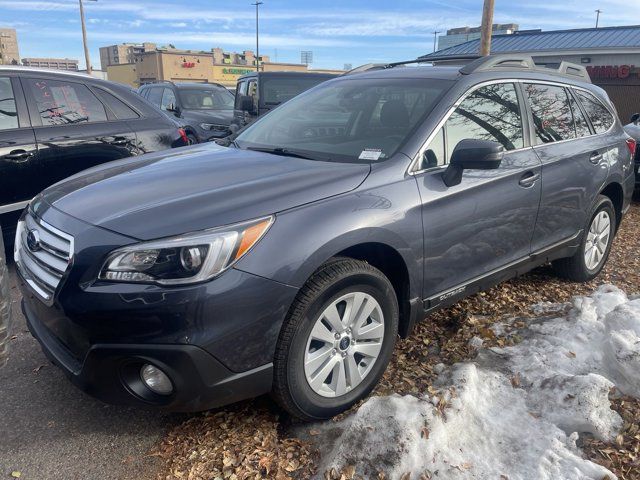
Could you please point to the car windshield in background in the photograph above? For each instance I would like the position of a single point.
(279, 90)
(364, 120)
(206, 99)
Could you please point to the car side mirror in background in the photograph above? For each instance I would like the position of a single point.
(635, 118)
(471, 154)
(174, 109)
(247, 104)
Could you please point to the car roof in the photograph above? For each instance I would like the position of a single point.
(47, 71)
(288, 74)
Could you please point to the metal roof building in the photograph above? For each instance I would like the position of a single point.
(610, 54)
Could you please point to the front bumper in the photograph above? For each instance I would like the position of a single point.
(215, 340)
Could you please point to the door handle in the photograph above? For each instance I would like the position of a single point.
(18, 156)
(595, 158)
(529, 179)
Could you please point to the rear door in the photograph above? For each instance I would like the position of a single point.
(74, 131)
(19, 165)
(485, 223)
(573, 163)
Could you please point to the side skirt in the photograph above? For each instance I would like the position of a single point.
(564, 248)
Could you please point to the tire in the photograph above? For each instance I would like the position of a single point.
(191, 139)
(337, 284)
(578, 268)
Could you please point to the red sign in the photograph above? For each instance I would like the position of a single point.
(613, 71)
(188, 64)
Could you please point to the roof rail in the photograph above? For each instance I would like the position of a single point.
(382, 66)
(523, 62)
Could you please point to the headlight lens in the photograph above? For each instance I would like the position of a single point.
(184, 259)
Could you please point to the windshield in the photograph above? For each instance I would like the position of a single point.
(206, 99)
(279, 90)
(347, 120)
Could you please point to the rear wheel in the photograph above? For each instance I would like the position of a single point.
(337, 340)
(594, 250)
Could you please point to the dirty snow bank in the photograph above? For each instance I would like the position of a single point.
(515, 413)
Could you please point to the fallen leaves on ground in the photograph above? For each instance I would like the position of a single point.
(250, 441)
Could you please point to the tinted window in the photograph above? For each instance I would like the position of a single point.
(168, 99)
(551, 111)
(241, 90)
(278, 90)
(62, 103)
(206, 98)
(120, 109)
(582, 126)
(364, 120)
(488, 113)
(155, 95)
(8, 113)
(600, 117)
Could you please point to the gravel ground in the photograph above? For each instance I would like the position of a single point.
(256, 440)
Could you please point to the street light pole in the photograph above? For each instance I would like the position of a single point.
(435, 36)
(487, 28)
(257, 4)
(84, 37)
(598, 12)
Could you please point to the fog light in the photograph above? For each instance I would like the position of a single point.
(156, 380)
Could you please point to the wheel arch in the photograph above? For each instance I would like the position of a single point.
(614, 192)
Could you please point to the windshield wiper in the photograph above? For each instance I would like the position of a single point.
(285, 152)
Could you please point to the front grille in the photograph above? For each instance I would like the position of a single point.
(43, 254)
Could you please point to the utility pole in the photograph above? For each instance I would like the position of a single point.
(487, 28)
(257, 4)
(435, 37)
(84, 37)
(598, 12)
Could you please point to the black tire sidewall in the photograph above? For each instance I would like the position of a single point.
(309, 402)
(604, 204)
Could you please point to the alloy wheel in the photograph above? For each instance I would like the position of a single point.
(344, 344)
(598, 239)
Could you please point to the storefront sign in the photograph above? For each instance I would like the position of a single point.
(188, 64)
(236, 71)
(613, 71)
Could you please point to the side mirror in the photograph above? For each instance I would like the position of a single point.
(173, 109)
(471, 154)
(635, 118)
(247, 104)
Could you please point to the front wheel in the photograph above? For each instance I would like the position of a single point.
(336, 341)
(594, 250)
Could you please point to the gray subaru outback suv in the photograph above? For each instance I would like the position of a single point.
(290, 262)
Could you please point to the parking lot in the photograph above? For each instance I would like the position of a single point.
(54, 431)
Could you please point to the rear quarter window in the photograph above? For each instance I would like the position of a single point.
(600, 117)
(120, 109)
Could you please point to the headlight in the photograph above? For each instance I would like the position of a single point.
(213, 126)
(186, 258)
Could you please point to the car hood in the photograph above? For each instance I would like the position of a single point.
(218, 117)
(194, 188)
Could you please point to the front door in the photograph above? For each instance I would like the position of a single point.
(73, 129)
(19, 164)
(486, 222)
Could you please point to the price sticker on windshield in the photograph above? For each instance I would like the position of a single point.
(370, 154)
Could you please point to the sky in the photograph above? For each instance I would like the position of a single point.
(338, 32)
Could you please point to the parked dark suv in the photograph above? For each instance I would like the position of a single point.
(290, 263)
(55, 124)
(633, 130)
(204, 109)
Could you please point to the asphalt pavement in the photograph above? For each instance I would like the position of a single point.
(51, 430)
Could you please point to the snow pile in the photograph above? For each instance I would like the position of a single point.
(515, 413)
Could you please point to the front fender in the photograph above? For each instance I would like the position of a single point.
(303, 238)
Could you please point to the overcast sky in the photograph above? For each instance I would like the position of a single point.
(337, 31)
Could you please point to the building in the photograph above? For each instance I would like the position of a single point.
(169, 63)
(456, 36)
(55, 63)
(123, 53)
(611, 55)
(9, 54)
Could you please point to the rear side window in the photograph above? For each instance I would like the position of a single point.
(551, 111)
(600, 117)
(488, 113)
(155, 96)
(64, 103)
(582, 126)
(121, 110)
(8, 112)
